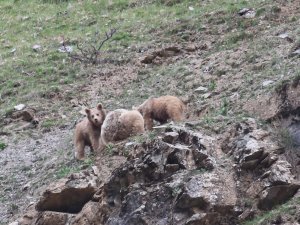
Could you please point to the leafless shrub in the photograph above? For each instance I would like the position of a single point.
(89, 52)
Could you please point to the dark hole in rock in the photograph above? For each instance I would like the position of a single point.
(196, 141)
(174, 158)
(70, 200)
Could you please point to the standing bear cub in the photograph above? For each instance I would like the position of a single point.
(119, 125)
(161, 109)
(87, 132)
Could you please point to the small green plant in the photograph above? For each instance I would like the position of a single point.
(212, 85)
(176, 191)
(126, 152)
(224, 107)
(198, 171)
(208, 120)
(2, 146)
(152, 135)
(285, 138)
(286, 209)
(63, 172)
(109, 149)
(14, 207)
(88, 162)
(67, 170)
(48, 123)
(296, 79)
(139, 139)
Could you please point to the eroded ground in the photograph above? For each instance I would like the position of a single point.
(223, 65)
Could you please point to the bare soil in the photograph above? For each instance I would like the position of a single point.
(35, 157)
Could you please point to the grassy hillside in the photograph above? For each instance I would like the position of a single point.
(194, 43)
(30, 77)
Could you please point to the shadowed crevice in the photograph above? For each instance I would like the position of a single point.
(70, 200)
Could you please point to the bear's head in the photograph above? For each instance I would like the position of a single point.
(96, 115)
(139, 109)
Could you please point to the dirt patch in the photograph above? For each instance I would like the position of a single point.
(230, 56)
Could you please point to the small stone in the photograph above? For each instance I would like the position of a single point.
(207, 69)
(36, 48)
(26, 115)
(170, 137)
(26, 186)
(148, 59)
(13, 50)
(192, 123)
(283, 35)
(96, 170)
(191, 8)
(20, 107)
(172, 168)
(247, 13)
(207, 95)
(25, 18)
(201, 90)
(191, 48)
(14, 223)
(267, 83)
(296, 52)
(243, 11)
(129, 144)
(65, 49)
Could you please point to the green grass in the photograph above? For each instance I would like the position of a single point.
(2, 146)
(45, 22)
(66, 170)
(284, 209)
(110, 149)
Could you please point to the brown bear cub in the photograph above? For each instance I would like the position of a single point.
(87, 132)
(161, 109)
(119, 125)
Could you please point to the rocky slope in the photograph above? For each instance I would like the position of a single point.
(235, 160)
(182, 176)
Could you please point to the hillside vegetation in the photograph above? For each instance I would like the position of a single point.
(225, 64)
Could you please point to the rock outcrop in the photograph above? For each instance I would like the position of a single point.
(180, 177)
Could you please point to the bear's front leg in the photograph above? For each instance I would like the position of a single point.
(148, 123)
(102, 144)
(79, 150)
(94, 144)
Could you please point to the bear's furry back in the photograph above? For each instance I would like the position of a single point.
(120, 124)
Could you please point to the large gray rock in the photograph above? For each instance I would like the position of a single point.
(70, 194)
(50, 218)
(275, 195)
(208, 190)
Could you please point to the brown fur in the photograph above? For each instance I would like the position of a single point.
(119, 125)
(161, 109)
(87, 132)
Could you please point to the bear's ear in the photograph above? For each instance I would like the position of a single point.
(87, 111)
(99, 106)
(139, 108)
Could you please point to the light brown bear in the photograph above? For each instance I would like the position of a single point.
(161, 109)
(119, 125)
(87, 132)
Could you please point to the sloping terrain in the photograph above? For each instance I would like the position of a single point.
(226, 64)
